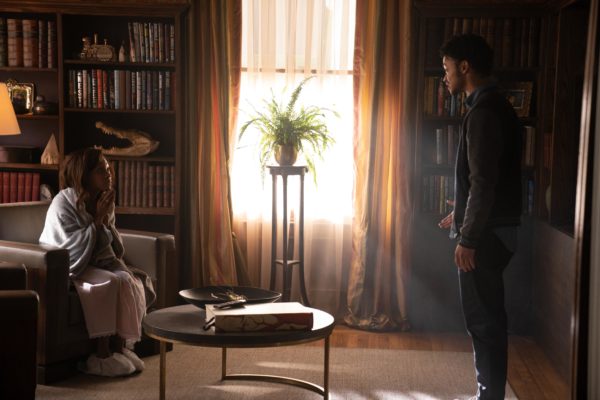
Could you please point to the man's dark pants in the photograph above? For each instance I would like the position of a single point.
(482, 297)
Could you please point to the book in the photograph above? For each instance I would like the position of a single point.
(42, 44)
(13, 187)
(35, 187)
(3, 43)
(267, 317)
(15, 42)
(28, 186)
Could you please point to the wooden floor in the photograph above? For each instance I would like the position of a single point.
(530, 373)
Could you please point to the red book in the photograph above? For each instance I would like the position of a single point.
(28, 186)
(1, 187)
(5, 187)
(100, 88)
(20, 186)
(13, 187)
(35, 187)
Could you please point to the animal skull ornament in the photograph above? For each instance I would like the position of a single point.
(141, 143)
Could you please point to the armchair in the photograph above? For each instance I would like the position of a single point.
(62, 337)
(18, 313)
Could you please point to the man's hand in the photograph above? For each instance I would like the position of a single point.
(447, 221)
(464, 258)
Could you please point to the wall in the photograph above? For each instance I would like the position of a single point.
(553, 292)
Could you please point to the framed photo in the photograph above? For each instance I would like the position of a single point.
(21, 95)
(519, 95)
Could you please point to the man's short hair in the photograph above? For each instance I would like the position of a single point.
(471, 48)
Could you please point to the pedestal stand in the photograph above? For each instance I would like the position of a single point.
(287, 262)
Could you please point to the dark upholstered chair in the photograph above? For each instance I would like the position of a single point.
(62, 335)
(18, 328)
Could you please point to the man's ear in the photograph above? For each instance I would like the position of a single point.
(464, 67)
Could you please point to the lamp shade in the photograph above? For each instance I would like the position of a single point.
(8, 119)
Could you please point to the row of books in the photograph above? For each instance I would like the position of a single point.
(27, 43)
(446, 141)
(439, 102)
(151, 42)
(443, 152)
(515, 41)
(142, 184)
(436, 190)
(120, 89)
(19, 186)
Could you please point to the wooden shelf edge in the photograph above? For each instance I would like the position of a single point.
(28, 166)
(28, 69)
(142, 158)
(125, 64)
(36, 116)
(105, 110)
(145, 210)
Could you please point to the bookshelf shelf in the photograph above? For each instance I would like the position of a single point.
(28, 69)
(144, 158)
(34, 117)
(145, 210)
(119, 64)
(102, 110)
(29, 167)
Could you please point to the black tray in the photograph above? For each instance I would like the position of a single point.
(218, 294)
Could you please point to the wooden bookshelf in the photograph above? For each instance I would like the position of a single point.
(435, 301)
(74, 127)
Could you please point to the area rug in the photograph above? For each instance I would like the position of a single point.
(355, 374)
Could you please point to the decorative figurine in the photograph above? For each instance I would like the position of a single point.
(50, 154)
(87, 47)
(122, 57)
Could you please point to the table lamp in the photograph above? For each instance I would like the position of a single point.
(8, 119)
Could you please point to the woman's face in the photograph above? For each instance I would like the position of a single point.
(101, 178)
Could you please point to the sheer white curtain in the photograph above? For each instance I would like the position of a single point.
(282, 43)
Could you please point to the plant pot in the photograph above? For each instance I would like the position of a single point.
(286, 154)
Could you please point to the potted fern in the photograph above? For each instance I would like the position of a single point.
(287, 130)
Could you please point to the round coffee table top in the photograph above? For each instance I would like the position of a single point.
(184, 324)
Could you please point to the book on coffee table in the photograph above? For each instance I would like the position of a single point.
(265, 317)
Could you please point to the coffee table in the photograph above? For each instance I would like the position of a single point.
(183, 324)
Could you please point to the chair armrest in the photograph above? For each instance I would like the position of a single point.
(13, 276)
(155, 254)
(18, 319)
(48, 275)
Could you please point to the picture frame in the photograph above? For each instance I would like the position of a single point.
(518, 95)
(21, 95)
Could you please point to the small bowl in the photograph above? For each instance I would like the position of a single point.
(218, 294)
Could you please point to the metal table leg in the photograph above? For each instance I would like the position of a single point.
(163, 369)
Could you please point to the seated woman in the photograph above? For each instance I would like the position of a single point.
(81, 219)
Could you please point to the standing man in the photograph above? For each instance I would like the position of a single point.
(487, 204)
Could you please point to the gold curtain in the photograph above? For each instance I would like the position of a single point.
(377, 287)
(213, 50)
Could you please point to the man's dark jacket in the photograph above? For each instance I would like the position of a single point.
(488, 168)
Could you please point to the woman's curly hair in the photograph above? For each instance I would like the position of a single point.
(76, 170)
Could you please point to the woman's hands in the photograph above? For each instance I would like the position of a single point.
(104, 206)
